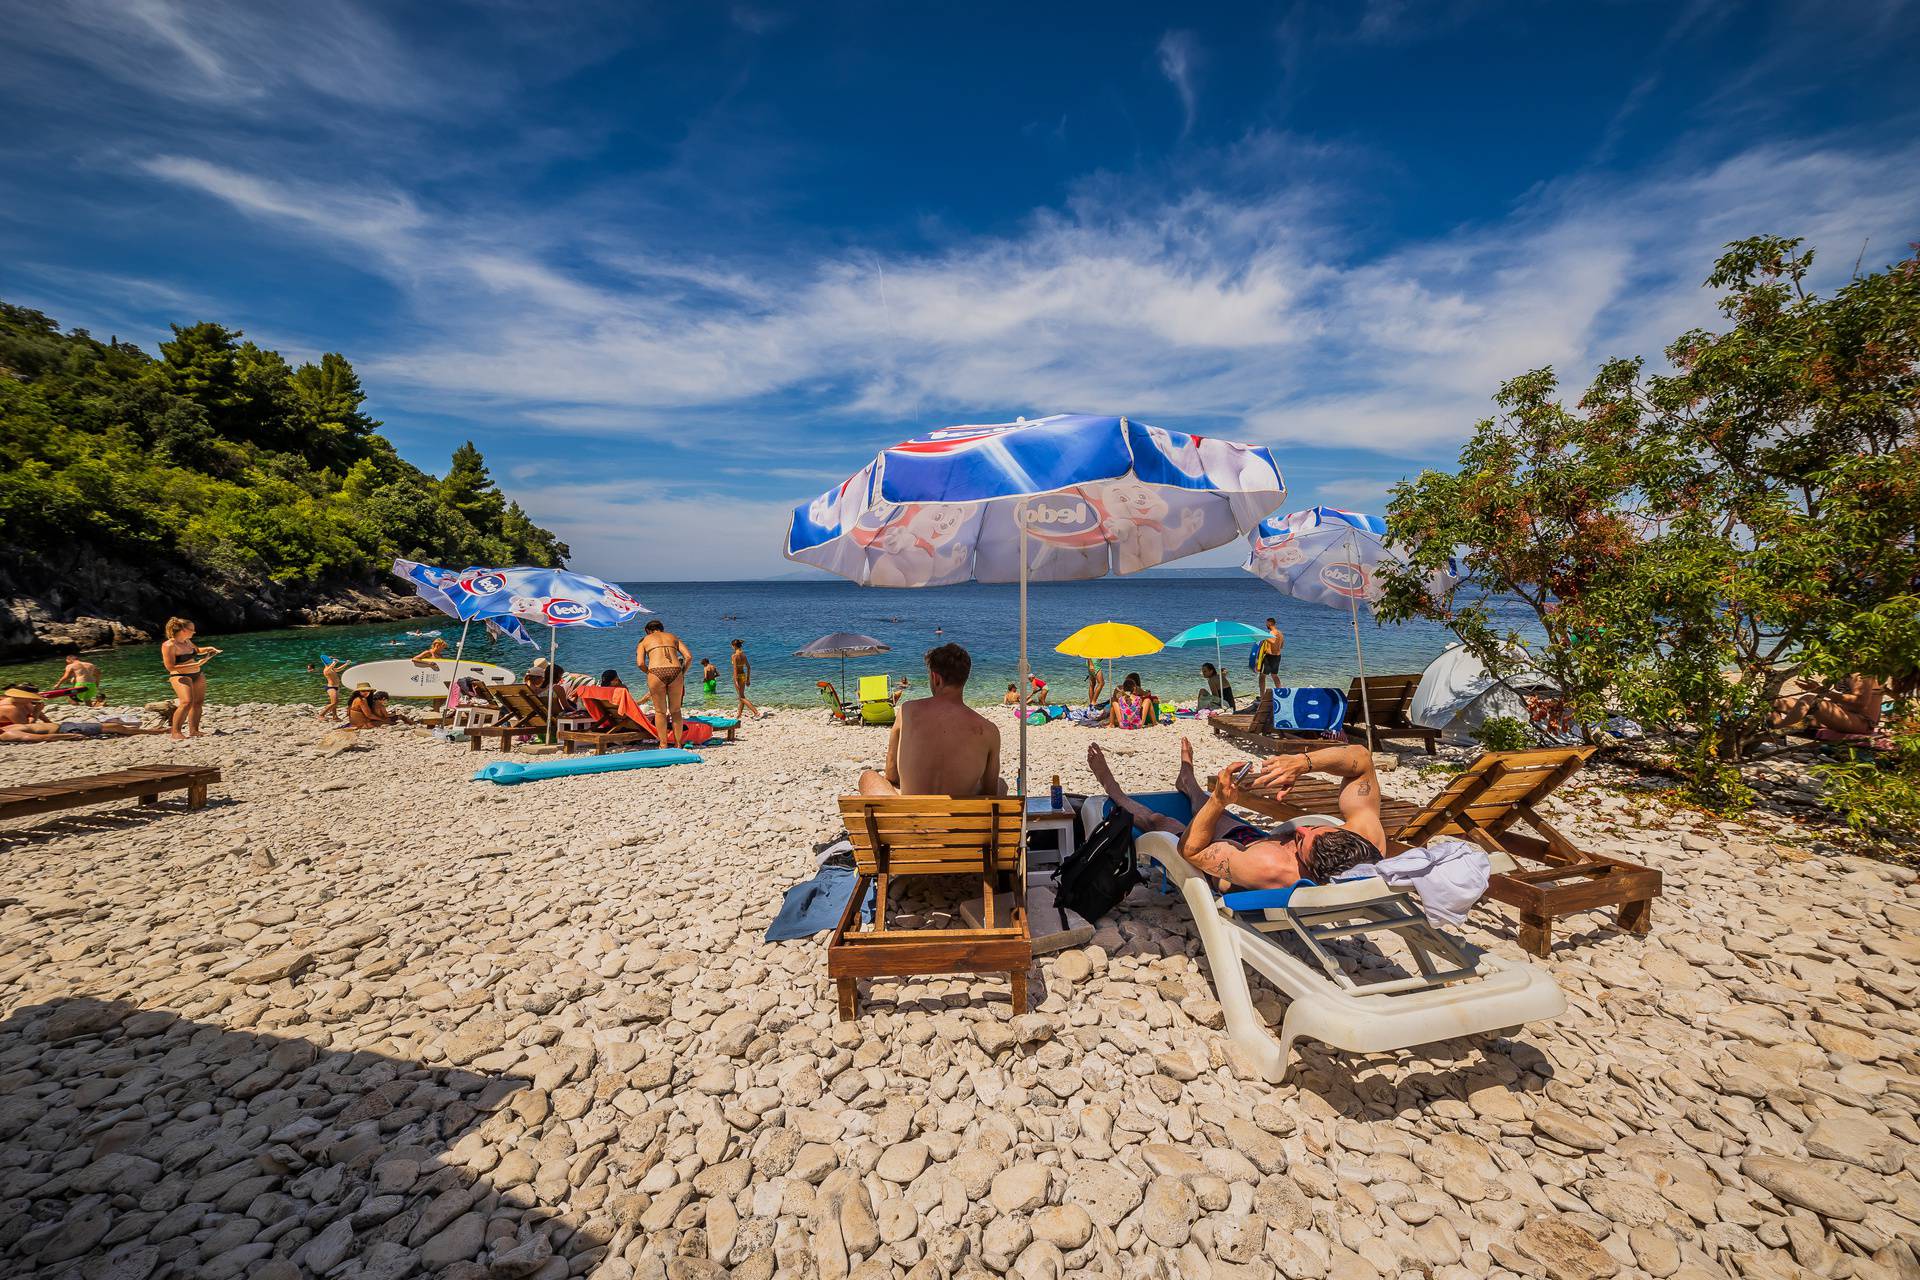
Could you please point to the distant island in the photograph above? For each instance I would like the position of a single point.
(217, 482)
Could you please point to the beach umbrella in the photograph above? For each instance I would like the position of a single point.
(1108, 640)
(555, 598)
(1218, 634)
(1329, 556)
(1060, 498)
(843, 645)
(425, 579)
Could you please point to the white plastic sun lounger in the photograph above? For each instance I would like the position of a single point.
(1459, 991)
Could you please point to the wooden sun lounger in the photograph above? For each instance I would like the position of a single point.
(1389, 697)
(930, 835)
(1541, 875)
(522, 713)
(142, 784)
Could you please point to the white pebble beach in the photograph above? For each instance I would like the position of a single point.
(363, 1017)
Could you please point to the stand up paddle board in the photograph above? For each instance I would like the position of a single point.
(401, 678)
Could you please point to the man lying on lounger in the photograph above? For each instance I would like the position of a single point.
(1243, 856)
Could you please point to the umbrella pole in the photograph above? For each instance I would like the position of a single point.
(553, 649)
(1023, 655)
(1353, 607)
(461, 648)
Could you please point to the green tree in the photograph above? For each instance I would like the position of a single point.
(469, 490)
(1706, 534)
(1538, 508)
(326, 400)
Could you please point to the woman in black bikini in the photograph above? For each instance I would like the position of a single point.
(183, 660)
(664, 657)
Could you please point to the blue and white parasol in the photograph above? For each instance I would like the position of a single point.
(1328, 556)
(1065, 497)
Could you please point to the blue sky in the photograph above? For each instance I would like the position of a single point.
(678, 267)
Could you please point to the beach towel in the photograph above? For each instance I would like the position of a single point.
(1449, 875)
(814, 906)
(1309, 710)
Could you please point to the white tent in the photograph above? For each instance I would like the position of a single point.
(1457, 694)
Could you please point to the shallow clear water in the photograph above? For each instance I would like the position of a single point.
(775, 618)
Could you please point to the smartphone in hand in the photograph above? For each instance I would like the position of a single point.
(1244, 772)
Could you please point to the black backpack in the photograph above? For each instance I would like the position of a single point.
(1101, 870)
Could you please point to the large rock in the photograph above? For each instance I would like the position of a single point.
(1020, 1189)
(1106, 1191)
(1801, 1184)
(1168, 1212)
(272, 967)
(1564, 1249)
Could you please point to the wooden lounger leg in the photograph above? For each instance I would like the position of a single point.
(152, 799)
(1637, 917)
(849, 999)
(1019, 991)
(197, 796)
(1536, 935)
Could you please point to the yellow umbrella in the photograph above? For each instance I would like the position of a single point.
(1109, 640)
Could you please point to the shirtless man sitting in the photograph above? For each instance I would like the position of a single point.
(939, 745)
(1240, 855)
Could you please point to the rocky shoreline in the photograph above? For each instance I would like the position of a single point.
(361, 1017)
(32, 627)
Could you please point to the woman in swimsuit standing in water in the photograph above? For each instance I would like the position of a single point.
(183, 660)
(664, 657)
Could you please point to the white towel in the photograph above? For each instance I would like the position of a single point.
(1449, 875)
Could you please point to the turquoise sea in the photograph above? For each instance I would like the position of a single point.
(775, 618)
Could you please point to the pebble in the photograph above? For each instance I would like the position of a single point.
(537, 1040)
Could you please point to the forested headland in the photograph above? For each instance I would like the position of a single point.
(217, 481)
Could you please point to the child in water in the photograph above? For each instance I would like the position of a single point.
(709, 676)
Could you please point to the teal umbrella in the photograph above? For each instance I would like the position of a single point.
(1218, 633)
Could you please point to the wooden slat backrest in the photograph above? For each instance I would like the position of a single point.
(519, 701)
(1388, 696)
(1495, 792)
(929, 835)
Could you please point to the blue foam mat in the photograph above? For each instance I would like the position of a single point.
(509, 772)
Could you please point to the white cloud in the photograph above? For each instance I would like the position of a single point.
(1252, 313)
(1178, 55)
(230, 52)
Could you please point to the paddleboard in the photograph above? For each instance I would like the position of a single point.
(401, 678)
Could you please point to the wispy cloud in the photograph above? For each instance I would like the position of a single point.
(226, 51)
(1251, 310)
(1178, 54)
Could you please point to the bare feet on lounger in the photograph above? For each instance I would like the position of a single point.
(1103, 772)
(1187, 782)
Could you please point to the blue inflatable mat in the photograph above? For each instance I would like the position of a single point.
(508, 772)
(716, 723)
(1310, 710)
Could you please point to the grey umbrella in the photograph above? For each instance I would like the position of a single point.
(844, 645)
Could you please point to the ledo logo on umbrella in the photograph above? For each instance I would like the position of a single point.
(1346, 579)
(560, 612)
(483, 584)
(1065, 520)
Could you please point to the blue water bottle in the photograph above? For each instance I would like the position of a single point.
(1059, 796)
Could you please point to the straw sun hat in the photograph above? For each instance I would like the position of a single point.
(15, 691)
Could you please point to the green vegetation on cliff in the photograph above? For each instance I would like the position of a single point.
(219, 457)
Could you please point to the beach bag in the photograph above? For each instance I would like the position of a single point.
(1101, 871)
(1309, 710)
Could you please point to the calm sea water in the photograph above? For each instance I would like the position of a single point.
(775, 618)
